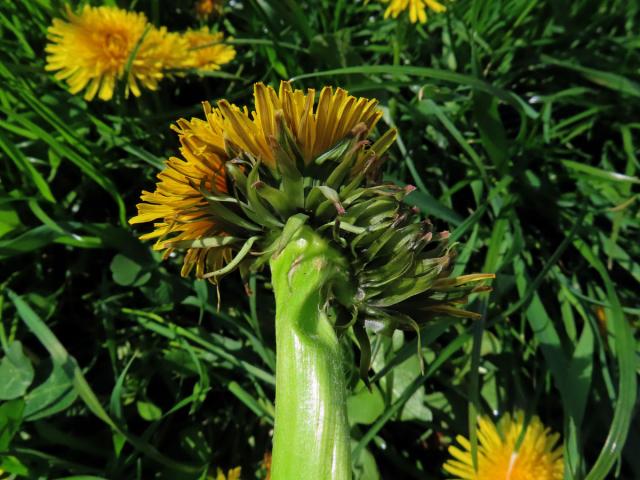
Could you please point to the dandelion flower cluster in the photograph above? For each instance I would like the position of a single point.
(91, 51)
(538, 457)
(417, 9)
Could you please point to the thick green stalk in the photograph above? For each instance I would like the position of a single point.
(311, 438)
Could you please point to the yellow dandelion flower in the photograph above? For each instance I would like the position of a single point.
(90, 50)
(179, 206)
(417, 9)
(204, 8)
(233, 474)
(537, 458)
(206, 50)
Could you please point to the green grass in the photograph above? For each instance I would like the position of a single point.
(518, 124)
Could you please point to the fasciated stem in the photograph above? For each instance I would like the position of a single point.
(311, 438)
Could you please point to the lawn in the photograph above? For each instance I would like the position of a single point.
(518, 125)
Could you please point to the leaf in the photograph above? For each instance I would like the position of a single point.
(148, 411)
(54, 395)
(365, 468)
(82, 477)
(428, 107)
(431, 207)
(432, 73)
(251, 402)
(628, 379)
(11, 464)
(600, 174)
(65, 151)
(59, 354)
(115, 403)
(581, 371)
(415, 407)
(408, 392)
(9, 219)
(33, 239)
(127, 272)
(610, 80)
(492, 132)
(545, 332)
(365, 406)
(16, 373)
(25, 166)
(10, 420)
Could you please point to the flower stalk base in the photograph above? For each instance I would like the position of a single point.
(311, 438)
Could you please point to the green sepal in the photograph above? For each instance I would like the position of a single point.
(403, 239)
(372, 251)
(293, 225)
(210, 197)
(287, 157)
(336, 152)
(389, 272)
(237, 175)
(332, 199)
(385, 141)
(276, 198)
(406, 322)
(255, 203)
(291, 154)
(235, 261)
(407, 287)
(207, 242)
(369, 235)
(365, 352)
(233, 221)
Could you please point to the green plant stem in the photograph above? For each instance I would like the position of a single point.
(311, 438)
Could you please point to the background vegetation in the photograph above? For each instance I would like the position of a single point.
(519, 126)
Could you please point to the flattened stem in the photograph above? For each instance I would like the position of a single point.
(311, 438)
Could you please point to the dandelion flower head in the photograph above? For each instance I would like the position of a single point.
(246, 181)
(90, 50)
(205, 8)
(207, 50)
(538, 456)
(417, 9)
(233, 474)
(179, 207)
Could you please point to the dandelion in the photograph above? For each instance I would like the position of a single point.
(180, 204)
(242, 176)
(233, 474)
(90, 50)
(536, 458)
(207, 50)
(205, 8)
(417, 9)
(296, 184)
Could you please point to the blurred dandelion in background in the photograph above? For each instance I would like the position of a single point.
(94, 49)
(207, 50)
(91, 51)
(206, 8)
(233, 474)
(417, 9)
